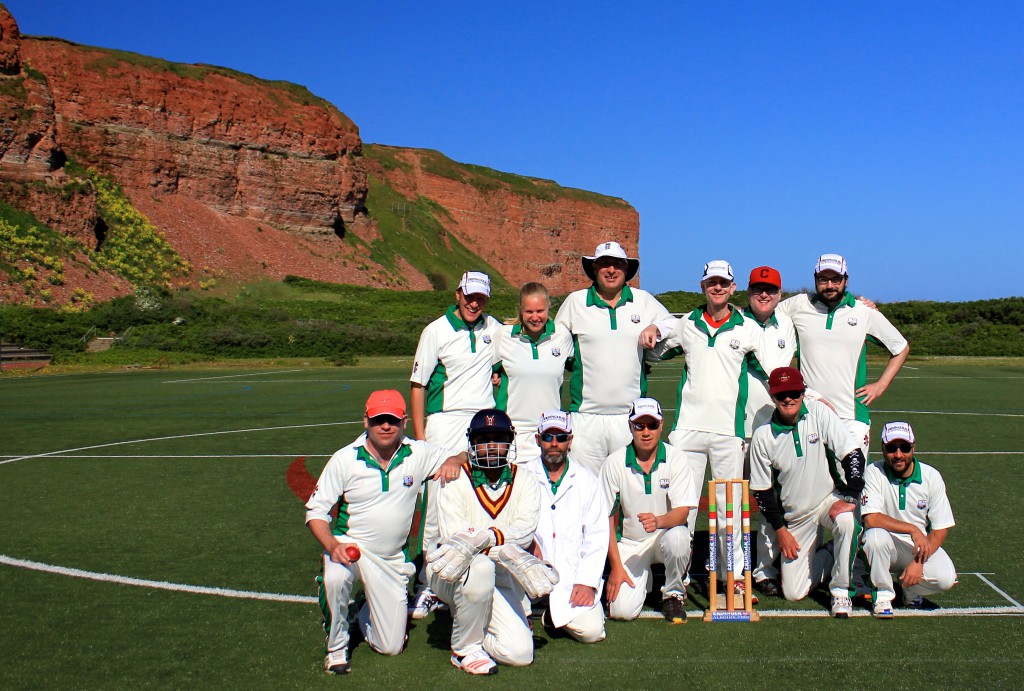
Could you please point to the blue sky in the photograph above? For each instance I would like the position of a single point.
(761, 133)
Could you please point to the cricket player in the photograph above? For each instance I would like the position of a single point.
(481, 569)
(529, 365)
(572, 533)
(374, 481)
(834, 329)
(796, 462)
(649, 481)
(720, 346)
(906, 518)
(451, 380)
(605, 321)
(778, 345)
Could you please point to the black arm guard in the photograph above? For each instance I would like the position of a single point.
(768, 503)
(853, 466)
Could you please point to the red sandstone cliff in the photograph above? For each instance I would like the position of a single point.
(249, 178)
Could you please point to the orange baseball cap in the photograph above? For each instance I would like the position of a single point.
(765, 274)
(386, 402)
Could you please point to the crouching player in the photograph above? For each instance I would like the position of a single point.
(375, 482)
(482, 570)
(650, 481)
(572, 533)
(907, 515)
(795, 464)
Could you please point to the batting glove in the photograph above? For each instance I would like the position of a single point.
(451, 560)
(536, 577)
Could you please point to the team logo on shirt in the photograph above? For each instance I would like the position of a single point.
(812, 438)
(555, 352)
(487, 339)
(635, 318)
(922, 504)
(782, 344)
(852, 321)
(407, 480)
(664, 483)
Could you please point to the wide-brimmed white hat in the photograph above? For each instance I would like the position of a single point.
(610, 249)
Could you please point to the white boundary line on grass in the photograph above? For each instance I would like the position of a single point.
(176, 436)
(948, 412)
(146, 583)
(982, 574)
(309, 600)
(226, 376)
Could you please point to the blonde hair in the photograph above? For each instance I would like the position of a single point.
(531, 290)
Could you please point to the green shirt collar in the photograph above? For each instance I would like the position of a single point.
(772, 321)
(915, 476)
(456, 321)
(549, 328)
(555, 484)
(847, 301)
(366, 457)
(779, 427)
(480, 479)
(593, 299)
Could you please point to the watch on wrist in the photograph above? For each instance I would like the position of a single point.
(850, 499)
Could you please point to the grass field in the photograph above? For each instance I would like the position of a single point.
(178, 477)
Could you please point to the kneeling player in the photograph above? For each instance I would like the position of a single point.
(907, 516)
(375, 481)
(572, 532)
(651, 483)
(481, 570)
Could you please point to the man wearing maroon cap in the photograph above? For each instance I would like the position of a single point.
(794, 469)
(374, 482)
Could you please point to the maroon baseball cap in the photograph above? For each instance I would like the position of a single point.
(785, 379)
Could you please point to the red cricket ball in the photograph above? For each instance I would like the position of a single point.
(353, 553)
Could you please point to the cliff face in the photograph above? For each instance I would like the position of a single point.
(527, 229)
(248, 178)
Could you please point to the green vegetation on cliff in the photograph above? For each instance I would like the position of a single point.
(410, 231)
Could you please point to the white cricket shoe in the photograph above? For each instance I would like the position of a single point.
(424, 603)
(842, 607)
(477, 662)
(337, 663)
(882, 609)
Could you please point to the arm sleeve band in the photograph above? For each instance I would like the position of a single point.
(768, 502)
(853, 465)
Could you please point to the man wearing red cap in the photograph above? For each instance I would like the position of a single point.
(906, 519)
(778, 344)
(374, 482)
(802, 451)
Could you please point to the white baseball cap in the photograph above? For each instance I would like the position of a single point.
(610, 249)
(554, 419)
(475, 283)
(645, 407)
(719, 268)
(897, 430)
(831, 262)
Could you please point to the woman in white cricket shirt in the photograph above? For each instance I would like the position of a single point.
(529, 366)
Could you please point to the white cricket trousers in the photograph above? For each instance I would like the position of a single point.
(813, 563)
(888, 552)
(671, 547)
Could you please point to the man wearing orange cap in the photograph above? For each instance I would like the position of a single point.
(374, 482)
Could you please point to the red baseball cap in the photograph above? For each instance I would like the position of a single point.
(765, 274)
(386, 402)
(785, 379)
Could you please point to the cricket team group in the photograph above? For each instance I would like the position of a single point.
(527, 506)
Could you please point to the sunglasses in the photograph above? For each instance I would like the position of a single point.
(767, 290)
(904, 446)
(641, 426)
(381, 419)
(784, 395)
(548, 437)
(829, 281)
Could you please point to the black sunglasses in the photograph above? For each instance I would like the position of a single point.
(783, 395)
(641, 426)
(904, 446)
(549, 437)
(381, 419)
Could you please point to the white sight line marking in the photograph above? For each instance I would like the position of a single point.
(176, 436)
(996, 588)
